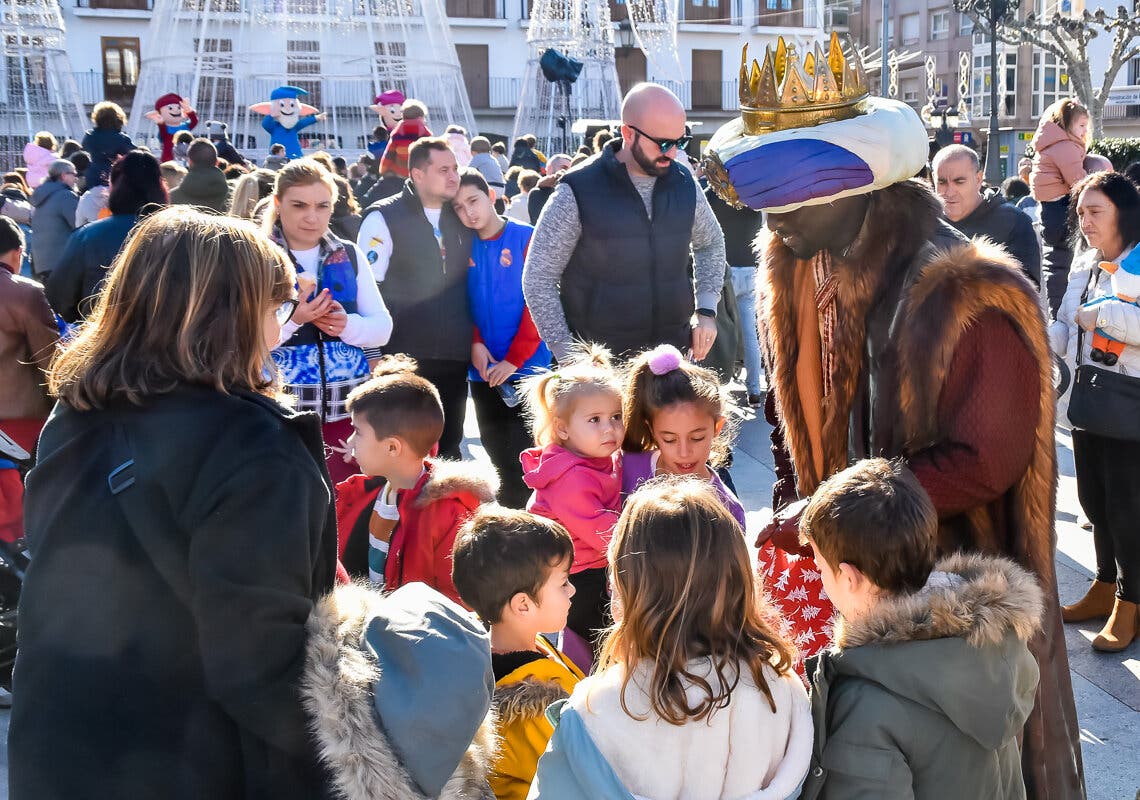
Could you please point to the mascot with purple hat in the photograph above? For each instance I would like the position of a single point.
(286, 116)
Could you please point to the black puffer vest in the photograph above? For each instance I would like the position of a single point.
(628, 284)
(425, 291)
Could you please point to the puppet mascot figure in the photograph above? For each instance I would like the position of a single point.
(389, 105)
(286, 116)
(172, 114)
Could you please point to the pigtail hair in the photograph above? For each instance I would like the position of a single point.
(638, 438)
(538, 393)
(545, 394)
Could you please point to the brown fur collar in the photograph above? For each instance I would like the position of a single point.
(901, 220)
(336, 691)
(952, 292)
(979, 599)
(526, 699)
(450, 478)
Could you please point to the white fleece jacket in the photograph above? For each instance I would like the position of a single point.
(742, 752)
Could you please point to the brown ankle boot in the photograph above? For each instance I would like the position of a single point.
(1120, 629)
(1096, 603)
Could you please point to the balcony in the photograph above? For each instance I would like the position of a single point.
(714, 96)
(116, 5)
(476, 9)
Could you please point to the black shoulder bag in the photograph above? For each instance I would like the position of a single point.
(1103, 403)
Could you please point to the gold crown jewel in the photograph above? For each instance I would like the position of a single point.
(787, 93)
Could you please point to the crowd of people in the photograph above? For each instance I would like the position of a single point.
(261, 567)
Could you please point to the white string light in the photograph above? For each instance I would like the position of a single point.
(225, 55)
(38, 88)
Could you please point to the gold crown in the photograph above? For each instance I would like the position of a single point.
(786, 93)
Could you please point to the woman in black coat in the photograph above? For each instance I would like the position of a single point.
(181, 528)
(137, 189)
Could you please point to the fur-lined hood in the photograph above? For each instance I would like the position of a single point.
(969, 596)
(338, 693)
(451, 478)
(958, 646)
(526, 699)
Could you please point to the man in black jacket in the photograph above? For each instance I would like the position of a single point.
(958, 179)
(419, 251)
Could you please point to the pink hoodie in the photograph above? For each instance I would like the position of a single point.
(583, 494)
(1059, 162)
(38, 160)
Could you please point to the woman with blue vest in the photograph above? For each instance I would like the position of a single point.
(505, 344)
(341, 320)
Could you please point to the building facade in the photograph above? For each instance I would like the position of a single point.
(108, 43)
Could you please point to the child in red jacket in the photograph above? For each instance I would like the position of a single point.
(575, 471)
(397, 418)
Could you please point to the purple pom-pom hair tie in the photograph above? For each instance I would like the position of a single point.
(664, 358)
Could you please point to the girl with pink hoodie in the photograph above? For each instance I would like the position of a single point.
(1059, 147)
(575, 471)
(38, 155)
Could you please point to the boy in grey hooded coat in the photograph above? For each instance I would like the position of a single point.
(925, 690)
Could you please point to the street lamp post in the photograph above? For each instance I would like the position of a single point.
(995, 13)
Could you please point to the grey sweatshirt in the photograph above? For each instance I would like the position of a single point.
(556, 235)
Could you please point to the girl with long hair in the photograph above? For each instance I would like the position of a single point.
(181, 527)
(695, 696)
(341, 322)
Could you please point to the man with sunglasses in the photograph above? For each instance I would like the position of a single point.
(609, 260)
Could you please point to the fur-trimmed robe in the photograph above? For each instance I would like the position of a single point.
(910, 291)
(337, 692)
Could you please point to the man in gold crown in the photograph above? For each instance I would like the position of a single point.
(889, 334)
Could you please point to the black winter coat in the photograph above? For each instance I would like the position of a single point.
(162, 629)
(74, 284)
(104, 146)
(1009, 226)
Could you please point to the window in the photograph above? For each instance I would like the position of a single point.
(27, 70)
(303, 59)
(707, 73)
(473, 63)
(939, 25)
(910, 90)
(392, 65)
(134, 5)
(890, 32)
(1050, 83)
(631, 67)
(704, 11)
(910, 29)
(216, 91)
(477, 9)
(965, 25)
(980, 87)
(120, 68)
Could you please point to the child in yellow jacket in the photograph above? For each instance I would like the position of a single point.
(513, 569)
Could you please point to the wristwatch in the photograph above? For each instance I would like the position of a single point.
(706, 312)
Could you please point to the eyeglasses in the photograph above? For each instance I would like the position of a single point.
(284, 312)
(666, 144)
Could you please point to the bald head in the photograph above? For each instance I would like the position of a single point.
(650, 102)
(650, 113)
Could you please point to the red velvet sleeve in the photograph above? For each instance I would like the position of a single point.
(526, 341)
(989, 410)
(476, 337)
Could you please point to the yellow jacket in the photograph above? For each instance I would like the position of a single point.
(521, 699)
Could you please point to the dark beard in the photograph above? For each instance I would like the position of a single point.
(648, 165)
